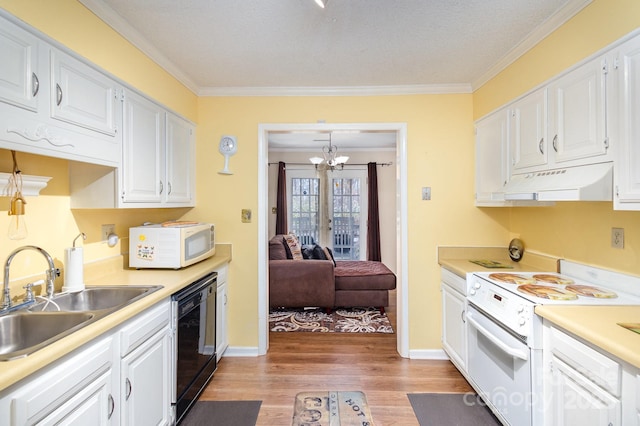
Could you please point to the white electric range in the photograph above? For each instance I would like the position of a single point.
(505, 335)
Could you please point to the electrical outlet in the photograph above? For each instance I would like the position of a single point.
(106, 231)
(617, 238)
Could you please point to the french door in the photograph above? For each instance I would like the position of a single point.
(330, 209)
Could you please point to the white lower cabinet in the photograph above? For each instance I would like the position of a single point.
(146, 375)
(576, 400)
(585, 385)
(81, 389)
(121, 378)
(222, 337)
(145, 385)
(454, 326)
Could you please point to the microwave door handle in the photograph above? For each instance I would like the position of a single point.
(516, 353)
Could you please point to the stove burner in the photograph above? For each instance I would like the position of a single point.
(547, 292)
(511, 278)
(588, 291)
(553, 279)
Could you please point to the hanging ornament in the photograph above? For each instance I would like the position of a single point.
(17, 225)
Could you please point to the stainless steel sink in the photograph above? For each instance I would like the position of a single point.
(25, 331)
(95, 299)
(22, 333)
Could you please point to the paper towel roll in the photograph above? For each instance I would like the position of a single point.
(74, 270)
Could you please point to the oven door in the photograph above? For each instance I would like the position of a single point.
(499, 367)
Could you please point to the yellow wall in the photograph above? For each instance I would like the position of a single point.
(440, 155)
(578, 231)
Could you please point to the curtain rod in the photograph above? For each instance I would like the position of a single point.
(345, 164)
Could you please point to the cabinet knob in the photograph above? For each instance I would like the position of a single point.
(555, 143)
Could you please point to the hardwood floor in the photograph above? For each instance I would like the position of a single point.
(298, 362)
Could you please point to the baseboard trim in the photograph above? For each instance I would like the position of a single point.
(437, 354)
(239, 351)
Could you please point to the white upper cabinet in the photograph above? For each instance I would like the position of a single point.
(53, 104)
(81, 95)
(19, 79)
(577, 115)
(527, 131)
(180, 157)
(626, 69)
(563, 123)
(492, 171)
(143, 150)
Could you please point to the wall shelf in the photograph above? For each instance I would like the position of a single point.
(31, 185)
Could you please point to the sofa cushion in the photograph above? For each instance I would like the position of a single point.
(363, 275)
(294, 246)
(313, 251)
(277, 249)
(329, 255)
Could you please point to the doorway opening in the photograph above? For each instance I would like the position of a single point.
(342, 224)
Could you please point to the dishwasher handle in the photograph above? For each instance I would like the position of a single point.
(514, 352)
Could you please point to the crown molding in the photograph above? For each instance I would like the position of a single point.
(418, 89)
(554, 22)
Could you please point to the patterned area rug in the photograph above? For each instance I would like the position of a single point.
(342, 320)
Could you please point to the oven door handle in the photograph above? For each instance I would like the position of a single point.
(514, 352)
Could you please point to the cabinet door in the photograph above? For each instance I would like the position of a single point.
(577, 116)
(627, 167)
(19, 79)
(527, 132)
(143, 150)
(180, 159)
(146, 386)
(81, 95)
(92, 405)
(80, 387)
(492, 164)
(575, 400)
(454, 327)
(221, 320)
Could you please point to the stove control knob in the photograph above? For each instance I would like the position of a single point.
(520, 309)
(476, 285)
(472, 292)
(522, 321)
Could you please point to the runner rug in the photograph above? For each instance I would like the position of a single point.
(461, 409)
(223, 413)
(343, 320)
(331, 409)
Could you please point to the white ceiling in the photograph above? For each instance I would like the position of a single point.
(293, 47)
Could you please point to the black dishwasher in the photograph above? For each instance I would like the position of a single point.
(194, 313)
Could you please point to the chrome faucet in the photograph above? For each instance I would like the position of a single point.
(51, 274)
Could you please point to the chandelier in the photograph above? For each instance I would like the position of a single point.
(330, 157)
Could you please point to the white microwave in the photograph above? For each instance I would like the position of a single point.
(171, 245)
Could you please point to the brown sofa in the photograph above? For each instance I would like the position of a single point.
(313, 282)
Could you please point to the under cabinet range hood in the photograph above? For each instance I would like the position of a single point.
(593, 182)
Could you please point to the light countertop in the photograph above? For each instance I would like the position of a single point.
(113, 274)
(598, 325)
(457, 260)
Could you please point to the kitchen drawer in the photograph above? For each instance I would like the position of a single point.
(144, 326)
(599, 368)
(453, 280)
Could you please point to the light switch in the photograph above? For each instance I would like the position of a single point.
(246, 215)
(426, 192)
